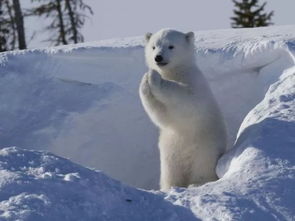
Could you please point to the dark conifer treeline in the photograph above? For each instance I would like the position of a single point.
(67, 17)
(65, 20)
(11, 29)
(249, 14)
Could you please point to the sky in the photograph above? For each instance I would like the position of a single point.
(126, 18)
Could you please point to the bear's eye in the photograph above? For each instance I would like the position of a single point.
(153, 47)
(171, 47)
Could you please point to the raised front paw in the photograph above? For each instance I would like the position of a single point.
(144, 85)
(154, 78)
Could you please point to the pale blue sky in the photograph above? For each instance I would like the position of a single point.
(125, 18)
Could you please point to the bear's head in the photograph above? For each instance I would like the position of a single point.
(169, 50)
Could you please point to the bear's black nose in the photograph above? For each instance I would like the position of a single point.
(158, 58)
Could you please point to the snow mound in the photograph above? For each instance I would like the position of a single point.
(39, 186)
(258, 174)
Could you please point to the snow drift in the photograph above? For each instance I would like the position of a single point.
(81, 102)
(41, 186)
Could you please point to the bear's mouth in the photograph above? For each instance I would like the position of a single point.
(161, 63)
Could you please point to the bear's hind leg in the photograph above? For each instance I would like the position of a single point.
(173, 175)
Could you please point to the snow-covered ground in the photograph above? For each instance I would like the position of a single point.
(81, 102)
(39, 186)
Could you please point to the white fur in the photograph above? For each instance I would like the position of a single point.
(178, 100)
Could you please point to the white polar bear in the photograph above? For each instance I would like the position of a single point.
(177, 98)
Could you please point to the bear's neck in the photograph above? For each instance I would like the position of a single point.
(182, 74)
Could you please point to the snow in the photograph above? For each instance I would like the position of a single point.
(81, 102)
(41, 186)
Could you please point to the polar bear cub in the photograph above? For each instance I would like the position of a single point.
(177, 98)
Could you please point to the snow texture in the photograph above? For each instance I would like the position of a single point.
(39, 186)
(81, 102)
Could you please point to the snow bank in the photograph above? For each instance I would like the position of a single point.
(81, 101)
(41, 186)
(258, 174)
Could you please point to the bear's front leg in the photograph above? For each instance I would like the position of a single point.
(168, 92)
(154, 108)
(154, 79)
(144, 88)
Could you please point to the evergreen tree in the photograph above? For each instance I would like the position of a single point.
(77, 12)
(250, 14)
(8, 30)
(3, 29)
(67, 17)
(19, 24)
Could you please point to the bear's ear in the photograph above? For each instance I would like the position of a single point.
(190, 36)
(148, 36)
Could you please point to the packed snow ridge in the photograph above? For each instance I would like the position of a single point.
(81, 102)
